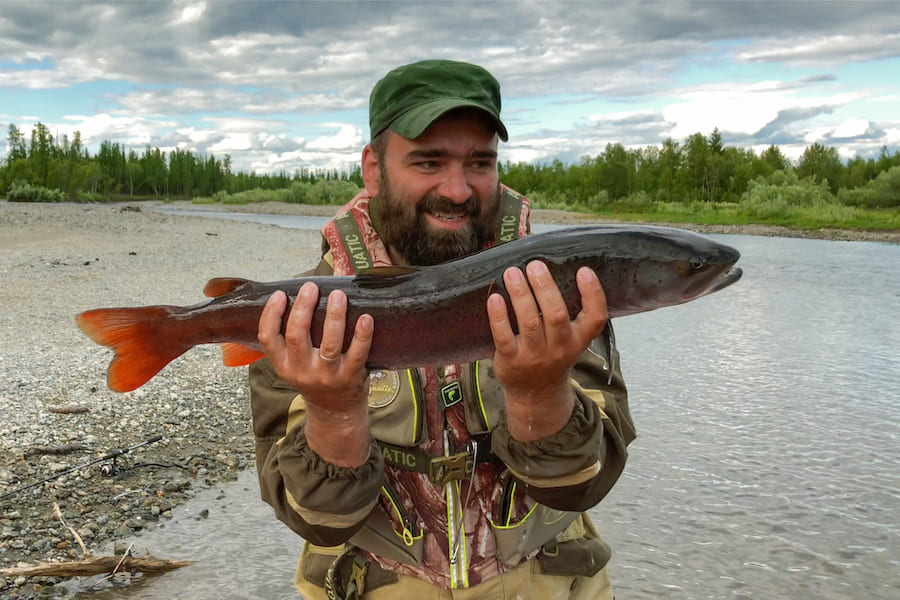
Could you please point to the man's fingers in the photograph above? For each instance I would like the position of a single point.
(553, 310)
(501, 329)
(296, 334)
(358, 352)
(269, 330)
(528, 316)
(332, 344)
(594, 313)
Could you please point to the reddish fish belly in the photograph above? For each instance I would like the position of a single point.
(146, 339)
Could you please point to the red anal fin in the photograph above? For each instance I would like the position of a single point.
(141, 339)
(219, 286)
(238, 355)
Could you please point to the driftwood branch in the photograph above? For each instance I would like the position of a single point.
(67, 409)
(57, 450)
(96, 565)
(58, 513)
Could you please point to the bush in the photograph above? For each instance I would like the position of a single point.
(89, 197)
(784, 195)
(881, 192)
(322, 191)
(25, 192)
(333, 191)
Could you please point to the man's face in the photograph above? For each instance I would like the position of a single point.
(438, 195)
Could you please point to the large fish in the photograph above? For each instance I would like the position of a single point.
(425, 315)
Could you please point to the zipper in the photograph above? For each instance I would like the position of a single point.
(472, 374)
(418, 394)
(456, 533)
(410, 531)
(507, 504)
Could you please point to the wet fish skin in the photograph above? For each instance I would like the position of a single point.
(427, 315)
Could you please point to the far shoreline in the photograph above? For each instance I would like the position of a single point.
(545, 216)
(563, 217)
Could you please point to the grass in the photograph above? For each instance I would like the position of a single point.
(832, 216)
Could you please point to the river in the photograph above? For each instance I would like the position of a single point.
(766, 464)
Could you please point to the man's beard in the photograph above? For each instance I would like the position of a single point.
(403, 227)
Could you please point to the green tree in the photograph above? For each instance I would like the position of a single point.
(820, 163)
(15, 145)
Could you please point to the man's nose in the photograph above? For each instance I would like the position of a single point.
(455, 186)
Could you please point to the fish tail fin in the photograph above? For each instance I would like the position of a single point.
(139, 338)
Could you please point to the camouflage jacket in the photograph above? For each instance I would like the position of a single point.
(446, 491)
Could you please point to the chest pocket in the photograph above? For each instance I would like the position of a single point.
(483, 397)
(397, 407)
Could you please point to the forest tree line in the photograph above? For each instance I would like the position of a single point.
(701, 169)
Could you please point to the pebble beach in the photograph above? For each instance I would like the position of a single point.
(56, 411)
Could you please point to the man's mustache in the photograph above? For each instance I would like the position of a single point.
(438, 204)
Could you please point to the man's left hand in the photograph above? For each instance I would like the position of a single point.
(533, 365)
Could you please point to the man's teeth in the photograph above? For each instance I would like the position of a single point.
(448, 216)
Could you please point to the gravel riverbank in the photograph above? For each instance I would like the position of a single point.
(56, 412)
(58, 260)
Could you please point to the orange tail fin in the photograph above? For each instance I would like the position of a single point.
(139, 338)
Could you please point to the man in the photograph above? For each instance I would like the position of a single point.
(457, 481)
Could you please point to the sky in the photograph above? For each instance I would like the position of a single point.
(285, 85)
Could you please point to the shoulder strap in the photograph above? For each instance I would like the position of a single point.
(510, 215)
(353, 241)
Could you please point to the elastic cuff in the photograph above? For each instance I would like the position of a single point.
(319, 486)
(572, 452)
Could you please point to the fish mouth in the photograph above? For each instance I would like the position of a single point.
(705, 286)
(733, 274)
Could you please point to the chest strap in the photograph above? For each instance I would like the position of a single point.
(440, 469)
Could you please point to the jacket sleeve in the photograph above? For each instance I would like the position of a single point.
(575, 468)
(324, 503)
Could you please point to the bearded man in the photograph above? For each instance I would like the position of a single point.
(453, 481)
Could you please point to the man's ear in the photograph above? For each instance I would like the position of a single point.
(371, 174)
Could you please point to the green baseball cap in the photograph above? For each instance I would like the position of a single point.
(410, 98)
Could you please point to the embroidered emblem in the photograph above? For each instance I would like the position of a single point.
(384, 386)
(450, 394)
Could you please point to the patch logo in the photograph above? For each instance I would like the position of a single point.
(384, 386)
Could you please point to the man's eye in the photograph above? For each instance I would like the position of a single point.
(428, 164)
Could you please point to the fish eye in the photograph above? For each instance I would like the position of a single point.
(696, 263)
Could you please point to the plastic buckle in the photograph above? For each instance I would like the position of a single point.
(447, 468)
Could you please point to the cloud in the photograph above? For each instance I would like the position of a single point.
(827, 50)
(281, 84)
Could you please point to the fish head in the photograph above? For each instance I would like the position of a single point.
(687, 266)
(644, 268)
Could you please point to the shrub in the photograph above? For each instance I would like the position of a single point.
(881, 192)
(21, 191)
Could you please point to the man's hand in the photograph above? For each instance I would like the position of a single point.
(533, 366)
(334, 384)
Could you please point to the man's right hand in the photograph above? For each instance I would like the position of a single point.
(333, 384)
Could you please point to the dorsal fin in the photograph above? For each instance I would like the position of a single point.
(375, 277)
(219, 286)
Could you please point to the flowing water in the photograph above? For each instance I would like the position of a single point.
(766, 464)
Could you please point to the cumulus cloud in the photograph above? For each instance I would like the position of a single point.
(280, 85)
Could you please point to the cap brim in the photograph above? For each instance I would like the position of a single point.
(416, 120)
